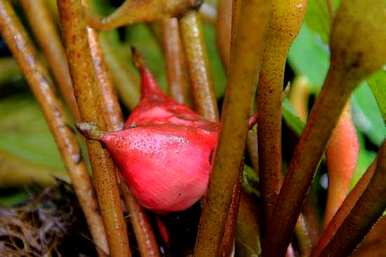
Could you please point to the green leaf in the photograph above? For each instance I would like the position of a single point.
(377, 83)
(291, 118)
(309, 56)
(24, 132)
(366, 114)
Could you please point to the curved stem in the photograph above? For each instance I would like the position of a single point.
(366, 211)
(46, 33)
(197, 57)
(82, 71)
(344, 210)
(175, 61)
(241, 87)
(131, 12)
(41, 85)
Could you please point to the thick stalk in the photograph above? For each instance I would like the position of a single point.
(45, 31)
(344, 210)
(142, 11)
(198, 63)
(323, 117)
(82, 71)
(360, 25)
(41, 85)
(111, 112)
(287, 17)
(175, 61)
(367, 210)
(241, 87)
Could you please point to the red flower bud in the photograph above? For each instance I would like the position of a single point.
(165, 150)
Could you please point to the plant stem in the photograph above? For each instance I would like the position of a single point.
(125, 81)
(344, 210)
(131, 12)
(248, 229)
(360, 25)
(287, 17)
(243, 72)
(223, 30)
(364, 214)
(198, 63)
(322, 120)
(45, 31)
(175, 61)
(112, 116)
(41, 85)
(82, 71)
(146, 240)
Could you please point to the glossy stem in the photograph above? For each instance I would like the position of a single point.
(112, 115)
(176, 66)
(131, 12)
(198, 63)
(344, 210)
(244, 69)
(42, 87)
(47, 36)
(81, 67)
(366, 211)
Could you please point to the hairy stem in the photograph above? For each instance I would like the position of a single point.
(243, 73)
(41, 85)
(47, 35)
(198, 63)
(82, 71)
(366, 211)
(176, 66)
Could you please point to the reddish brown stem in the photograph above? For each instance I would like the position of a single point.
(223, 30)
(366, 211)
(344, 210)
(175, 61)
(46, 33)
(41, 85)
(198, 63)
(82, 71)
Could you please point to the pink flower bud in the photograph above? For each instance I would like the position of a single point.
(165, 151)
